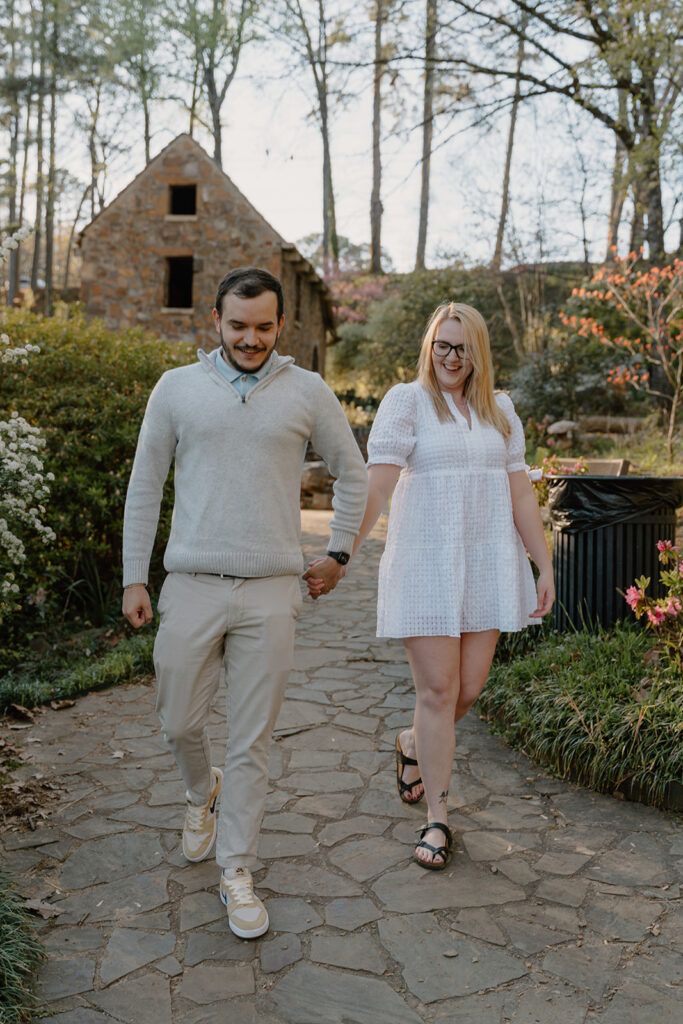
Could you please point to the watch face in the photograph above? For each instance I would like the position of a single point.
(339, 556)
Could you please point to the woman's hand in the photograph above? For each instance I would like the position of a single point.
(545, 594)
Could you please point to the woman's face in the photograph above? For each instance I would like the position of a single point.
(451, 370)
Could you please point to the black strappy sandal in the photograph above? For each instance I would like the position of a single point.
(436, 851)
(405, 787)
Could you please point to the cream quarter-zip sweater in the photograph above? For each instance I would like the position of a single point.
(238, 465)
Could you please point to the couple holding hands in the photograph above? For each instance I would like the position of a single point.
(454, 572)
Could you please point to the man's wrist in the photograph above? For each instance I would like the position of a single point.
(129, 585)
(341, 557)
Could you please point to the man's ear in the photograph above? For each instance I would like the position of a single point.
(216, 319)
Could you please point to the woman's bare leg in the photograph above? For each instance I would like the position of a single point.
(448, 670)
(435, 665)
(476, 655)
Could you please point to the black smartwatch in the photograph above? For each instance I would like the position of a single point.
(339, 556)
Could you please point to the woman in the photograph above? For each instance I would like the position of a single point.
(454, 571)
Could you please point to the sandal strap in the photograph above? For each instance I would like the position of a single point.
(408, 785)
(438, 851)
(404, 759)
(436, 824)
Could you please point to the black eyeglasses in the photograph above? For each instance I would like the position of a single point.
(442, 349)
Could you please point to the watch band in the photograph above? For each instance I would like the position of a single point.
(339, 556)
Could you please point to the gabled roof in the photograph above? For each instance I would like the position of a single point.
(289, 251)
(202, 155)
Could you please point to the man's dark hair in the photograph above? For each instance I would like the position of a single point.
(250, 282)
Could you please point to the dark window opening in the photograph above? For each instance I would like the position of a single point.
(315, 364)
(179, 290)
(297, 298)
(183, 200)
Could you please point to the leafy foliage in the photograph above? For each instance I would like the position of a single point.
(566, 380)
(20, 955)
(131, 658)
(376, 353)
(574, 702)
(665, 615)
(87, 391)
(640, 318)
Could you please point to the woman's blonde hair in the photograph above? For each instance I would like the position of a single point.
(478, 389)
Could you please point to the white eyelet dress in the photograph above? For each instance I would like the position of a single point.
(454, 561)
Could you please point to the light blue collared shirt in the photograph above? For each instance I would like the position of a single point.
(241, 381)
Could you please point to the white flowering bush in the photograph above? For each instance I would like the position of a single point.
(23, 481)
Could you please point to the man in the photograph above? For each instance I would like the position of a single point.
(237, 422)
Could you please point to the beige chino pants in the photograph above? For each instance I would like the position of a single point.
(245, 626)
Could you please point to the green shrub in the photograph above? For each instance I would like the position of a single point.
(125, 663)
(20, 955)
(372, 356)
(87, 391)
(578, 703)
(569, 379)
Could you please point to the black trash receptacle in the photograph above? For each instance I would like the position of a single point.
(605, 533)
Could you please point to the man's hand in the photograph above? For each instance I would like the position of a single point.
(323, 575)
(137, 606)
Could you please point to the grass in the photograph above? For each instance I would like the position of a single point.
(20, 955)
(131, 658)
(579, 705)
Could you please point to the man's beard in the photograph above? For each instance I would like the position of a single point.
(233, 360)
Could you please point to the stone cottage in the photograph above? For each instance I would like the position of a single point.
(154, 256)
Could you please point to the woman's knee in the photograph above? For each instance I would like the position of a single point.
(438, 693)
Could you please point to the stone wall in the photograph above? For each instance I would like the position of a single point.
(127, 247)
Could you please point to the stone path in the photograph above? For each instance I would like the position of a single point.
(559, 906)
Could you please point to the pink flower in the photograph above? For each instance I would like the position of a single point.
(633, 596)
(673, 607)
(655, 615)
(665, 545)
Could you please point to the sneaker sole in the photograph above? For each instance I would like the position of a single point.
(242, 933)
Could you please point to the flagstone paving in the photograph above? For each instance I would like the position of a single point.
(558, 906)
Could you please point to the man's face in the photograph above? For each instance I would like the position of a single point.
(248, 329)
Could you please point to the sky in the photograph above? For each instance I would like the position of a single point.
(272, 151)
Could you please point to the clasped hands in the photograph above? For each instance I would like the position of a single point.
(323, 575)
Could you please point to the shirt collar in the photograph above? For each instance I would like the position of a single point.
(233, 374)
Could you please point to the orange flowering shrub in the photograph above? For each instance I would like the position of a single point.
(641, 316)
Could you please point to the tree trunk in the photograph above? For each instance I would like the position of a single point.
(505, 198)
(376, 195)
(14, 119)
(652, 185)
(40, 179)
(637, 240)
(427, 129)
(619, 184)
(69, 247)
(215, 108)
(330, 241)
(146, 114)
(12, 200)
(194, 99)
(51, 176)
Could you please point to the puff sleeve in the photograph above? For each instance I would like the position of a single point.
(514, 443)
(392, 437)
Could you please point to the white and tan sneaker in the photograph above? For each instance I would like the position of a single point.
(199, 832)
(247, 916)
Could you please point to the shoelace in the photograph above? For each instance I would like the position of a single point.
(196, 817)
(240, 890)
